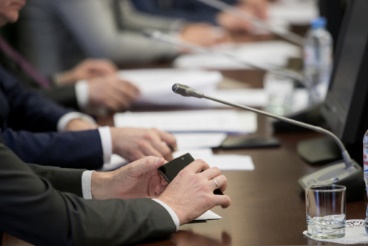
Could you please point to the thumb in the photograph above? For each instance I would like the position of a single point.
(148, 163)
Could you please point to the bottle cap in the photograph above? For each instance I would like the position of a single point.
(318, 22)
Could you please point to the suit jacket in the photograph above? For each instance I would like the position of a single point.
(56, 35)
(37, 117)
(189, 10)
(64, 95)
(31, 209)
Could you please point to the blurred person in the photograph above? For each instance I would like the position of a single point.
(196, 11)
(49, 210)
(56, 35)
(91, 86)
(39, 130)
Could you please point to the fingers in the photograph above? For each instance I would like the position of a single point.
(113, 93)
(197, 166)
(150, 148)
(129, 89)
(154, 142)
(219, 182)
(224, 201)
(148, 163)
(100, 66)
(168, 138)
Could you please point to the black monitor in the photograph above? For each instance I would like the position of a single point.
(345, 108)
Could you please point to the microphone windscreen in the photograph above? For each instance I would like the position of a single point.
(180, 89)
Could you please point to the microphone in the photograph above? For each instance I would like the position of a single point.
(159, 36)
(347, 172)
(225, 7)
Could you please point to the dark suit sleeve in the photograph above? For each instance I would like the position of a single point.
(29, 110)
(32, 210)
(62, 179)
(189, 10)
(81, 149)
(64, 95)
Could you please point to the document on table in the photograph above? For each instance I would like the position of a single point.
(292, 12)
(184, 142)
(269, 54)
(223, 162)
(198, 140)
(155, 84)
(226, 121)
(209, 215)
(248, 97)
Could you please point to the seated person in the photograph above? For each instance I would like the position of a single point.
(92, 86)
(29, 123)
(48, 209)
(56, 35)
(196, 11)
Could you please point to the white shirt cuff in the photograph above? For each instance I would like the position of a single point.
(66, 118)
(173, 215)
(86, 184)
(106, 143)
(81, 91)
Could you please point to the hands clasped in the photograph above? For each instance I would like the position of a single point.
(190, 194)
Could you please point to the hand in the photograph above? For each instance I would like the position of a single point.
(190, 194)
(87, 69)
(257, 8)
(79, 125)
(135, 143)
(112, 93)
(138, 179)
(203, 34)
(233, 23)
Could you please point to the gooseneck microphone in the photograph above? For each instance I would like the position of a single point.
(162, 37)
(225, 7)
(342, 173)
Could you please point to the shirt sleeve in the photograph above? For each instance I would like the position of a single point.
(65, 119)
(29, 206)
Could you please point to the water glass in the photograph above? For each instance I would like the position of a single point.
(325, 211)
(280, 93)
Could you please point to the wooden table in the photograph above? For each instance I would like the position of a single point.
(268, 205)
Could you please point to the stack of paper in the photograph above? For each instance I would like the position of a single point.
(266, 54)
(155, 84)
(223, 162)
(297, 12)
(226, 121)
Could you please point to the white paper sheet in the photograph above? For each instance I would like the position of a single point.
(198, 140)
(228, 121)
(297, 12)
(248, 97)
(209, 215)
(223, 162)
(268, 54)
(155, 84)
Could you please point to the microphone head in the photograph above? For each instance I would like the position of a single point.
(180, 89)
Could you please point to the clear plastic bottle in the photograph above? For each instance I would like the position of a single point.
(365, 167)
(318, 46)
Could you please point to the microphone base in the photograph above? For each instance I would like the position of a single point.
(319, 150)
(337, 173)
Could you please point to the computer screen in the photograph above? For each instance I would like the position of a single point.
(345, 108)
